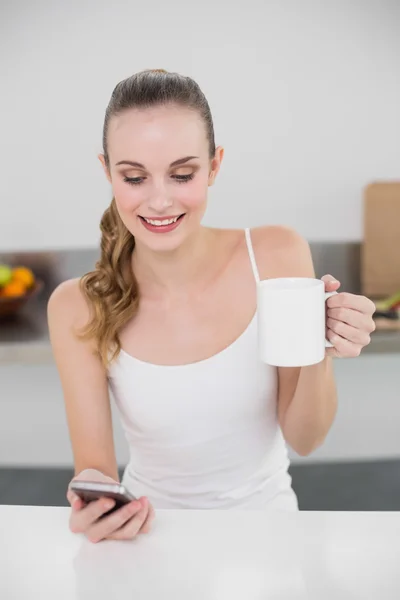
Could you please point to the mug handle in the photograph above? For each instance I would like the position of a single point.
(328, 295)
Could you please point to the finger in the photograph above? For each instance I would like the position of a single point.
(352, 317)
(342, 347)
(132, 528)
(146, 527)
(74, 500)
(330, 279)
(71, 496)
(347, 300)
(107, 526)
(86, 517)
(348, 332)
(331, 283)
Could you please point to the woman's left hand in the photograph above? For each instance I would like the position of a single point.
(349, 321)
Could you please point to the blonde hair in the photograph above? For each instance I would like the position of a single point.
(111, 289)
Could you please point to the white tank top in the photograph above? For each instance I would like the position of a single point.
(205, 435)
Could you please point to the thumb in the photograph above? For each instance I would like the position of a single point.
(74, 500)
(331, 282)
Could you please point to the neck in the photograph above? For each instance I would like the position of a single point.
(178, 272)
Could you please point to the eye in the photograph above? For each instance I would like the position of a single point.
(139, 180)
(133, 180)
(183, 178)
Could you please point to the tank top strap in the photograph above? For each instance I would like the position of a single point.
(251, 255)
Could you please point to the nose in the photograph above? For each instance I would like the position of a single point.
(159, 201)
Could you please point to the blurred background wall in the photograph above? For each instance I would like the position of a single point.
(304, 95)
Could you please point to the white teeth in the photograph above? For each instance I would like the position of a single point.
(159, 223)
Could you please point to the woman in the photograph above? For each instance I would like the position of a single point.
(167, 322)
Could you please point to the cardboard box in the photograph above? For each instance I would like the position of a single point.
(380, 249)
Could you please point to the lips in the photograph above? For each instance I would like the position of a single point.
(162, 228)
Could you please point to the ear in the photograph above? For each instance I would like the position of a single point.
(103, 163)
(215, 164)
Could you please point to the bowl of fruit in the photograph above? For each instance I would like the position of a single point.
(17, 286)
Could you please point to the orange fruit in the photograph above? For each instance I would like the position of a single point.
(13, 289)
(23, 275)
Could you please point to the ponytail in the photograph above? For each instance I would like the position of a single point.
(111, 289)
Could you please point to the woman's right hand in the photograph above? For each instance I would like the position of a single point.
(123, 524)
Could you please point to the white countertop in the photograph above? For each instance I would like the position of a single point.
(204, 555)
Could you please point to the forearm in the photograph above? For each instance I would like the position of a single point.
(312, 409)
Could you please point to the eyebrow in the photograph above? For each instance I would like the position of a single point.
(180, 161)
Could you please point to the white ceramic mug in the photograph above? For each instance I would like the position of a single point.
(291, 321)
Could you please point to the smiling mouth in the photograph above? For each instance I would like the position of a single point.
(162, 222)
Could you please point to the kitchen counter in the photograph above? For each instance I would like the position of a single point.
(204, 555)
(26, 339)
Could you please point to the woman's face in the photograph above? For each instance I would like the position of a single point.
(173, 197)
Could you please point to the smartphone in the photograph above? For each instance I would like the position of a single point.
(89, 491)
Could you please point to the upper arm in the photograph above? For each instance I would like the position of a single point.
(83, 380)
(282, 252)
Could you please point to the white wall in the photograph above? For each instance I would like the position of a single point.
(305, 99)
(33, 428)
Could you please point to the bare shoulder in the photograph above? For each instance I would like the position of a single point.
(67, 302)
(281, 252)
(277, 238)
(68, 313)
